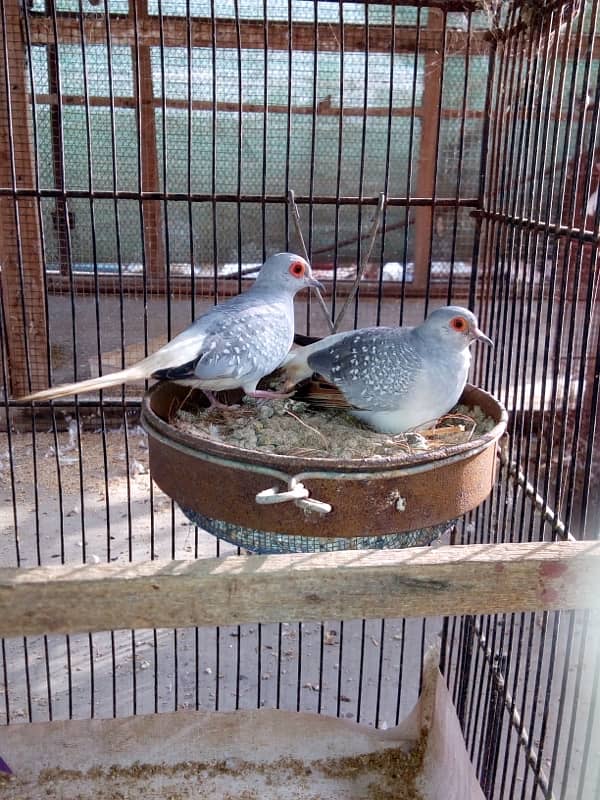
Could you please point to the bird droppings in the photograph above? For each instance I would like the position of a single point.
(290, 427)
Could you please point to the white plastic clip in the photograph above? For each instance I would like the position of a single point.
(273, 495)
(297, 492)
(309, 504)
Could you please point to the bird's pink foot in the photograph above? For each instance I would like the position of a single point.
(214, 403)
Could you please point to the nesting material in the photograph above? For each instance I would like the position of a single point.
(288, 427)
(246, 755)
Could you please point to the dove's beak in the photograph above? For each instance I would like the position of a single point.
(315, 283)
(479, 336)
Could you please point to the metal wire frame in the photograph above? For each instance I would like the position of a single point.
(513, 639)
(494, 665)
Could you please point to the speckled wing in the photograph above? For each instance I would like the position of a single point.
(246, 342)
(373, 368)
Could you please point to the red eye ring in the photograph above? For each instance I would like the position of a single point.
(298, 269)
(459, 324)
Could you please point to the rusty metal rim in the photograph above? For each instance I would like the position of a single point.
(285, 466)
(262, 469)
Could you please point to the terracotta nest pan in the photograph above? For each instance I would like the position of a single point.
(319, 497)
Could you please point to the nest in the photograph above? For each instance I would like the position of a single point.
(290, 427)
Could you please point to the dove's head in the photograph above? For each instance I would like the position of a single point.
(455, 325)
(286, 272)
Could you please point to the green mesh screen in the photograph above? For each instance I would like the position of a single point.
(332, 122)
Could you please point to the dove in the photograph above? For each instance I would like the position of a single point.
(392, 379)
(231, 346)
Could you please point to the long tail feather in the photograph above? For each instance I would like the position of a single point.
(136, 372)
(180, 350)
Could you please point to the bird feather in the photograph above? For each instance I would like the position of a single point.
(321, 393)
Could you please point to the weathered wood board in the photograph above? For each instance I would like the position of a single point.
(415, 582)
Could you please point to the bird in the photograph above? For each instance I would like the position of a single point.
(231, 346)
(392, 379)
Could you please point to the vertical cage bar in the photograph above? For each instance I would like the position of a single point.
(61, 216)
(428, 151)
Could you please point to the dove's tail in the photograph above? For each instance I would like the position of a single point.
(320, 393)
(136, 372)
(183, 349)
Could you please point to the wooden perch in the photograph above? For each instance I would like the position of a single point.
(415, 582)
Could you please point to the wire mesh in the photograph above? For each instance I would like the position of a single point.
(147, 154)
(262, 542)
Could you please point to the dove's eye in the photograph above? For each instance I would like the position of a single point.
(459, 324)
(297, 269)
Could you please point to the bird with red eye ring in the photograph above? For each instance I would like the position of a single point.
(392, 379)
(459, 324)
(233, 345)
(298, 269)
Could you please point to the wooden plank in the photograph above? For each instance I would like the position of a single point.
(416, 582)
(154, 250)
(20, 234)
(181, 286)
(251, 32)
(248, 108)
(252, 37)
(428, 153)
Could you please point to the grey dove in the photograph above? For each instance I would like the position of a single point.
(392, 379)
(233, 345)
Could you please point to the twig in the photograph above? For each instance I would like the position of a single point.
(445, 431)
(361, 268)
(304, 451)
(306, 425)
(468, 424)
(296, 218)
(399, 441)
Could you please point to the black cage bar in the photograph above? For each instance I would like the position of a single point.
(148, 149)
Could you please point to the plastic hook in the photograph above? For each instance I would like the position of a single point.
(296, 492)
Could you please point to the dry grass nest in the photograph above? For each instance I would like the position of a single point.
(290, 427)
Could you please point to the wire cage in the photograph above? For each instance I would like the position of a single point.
(148, 149)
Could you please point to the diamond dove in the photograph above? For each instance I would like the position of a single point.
(392, 379)
(233, 345)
